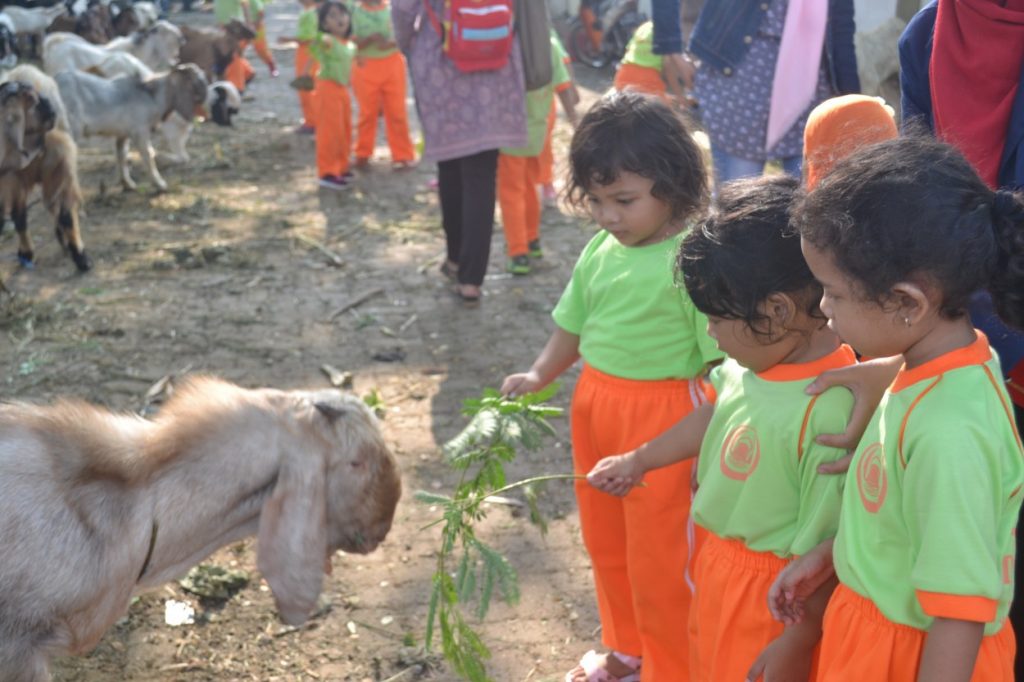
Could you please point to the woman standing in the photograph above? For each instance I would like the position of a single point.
(764, 64)
(466, 118)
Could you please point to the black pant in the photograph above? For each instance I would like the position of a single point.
(467, 189)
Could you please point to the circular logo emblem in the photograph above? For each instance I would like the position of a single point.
(872, 480)
(740, 453)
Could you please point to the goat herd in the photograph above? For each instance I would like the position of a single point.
(110, 70)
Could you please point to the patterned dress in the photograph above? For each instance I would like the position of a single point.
(461, 113)
(735, 107)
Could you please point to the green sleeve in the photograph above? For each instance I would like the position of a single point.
(951, 506)
(820, 494)
(571, 311)
(559, 72)
(705, 344)
(316, 47)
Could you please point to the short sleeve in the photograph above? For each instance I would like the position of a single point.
(951, 505)
(571, 311)
(820, 494)
(706, 346)
(559, 74)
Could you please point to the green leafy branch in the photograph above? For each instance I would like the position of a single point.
(467, 568)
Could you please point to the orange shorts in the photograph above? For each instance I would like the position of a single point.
(730, 624)
(861, 644)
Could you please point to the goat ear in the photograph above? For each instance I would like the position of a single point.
(332, 412)
(293, 535)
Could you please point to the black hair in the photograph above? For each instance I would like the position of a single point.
(744, 251)
(325, 8)
(629, 132)
(914, 208)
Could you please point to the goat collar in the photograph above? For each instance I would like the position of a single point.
(149, 552)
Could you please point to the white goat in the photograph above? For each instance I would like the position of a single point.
(33, 21)
(128, 107)
(157, 47)
(97, 506)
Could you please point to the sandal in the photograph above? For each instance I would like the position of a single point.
(468, 300)
(450, 270)
(592, 664)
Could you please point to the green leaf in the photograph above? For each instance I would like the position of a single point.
(431, 498)
(536, 518)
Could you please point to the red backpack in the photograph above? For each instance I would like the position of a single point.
(476, 35)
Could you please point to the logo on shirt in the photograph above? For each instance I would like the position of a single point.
(740, 453)
(872, 480)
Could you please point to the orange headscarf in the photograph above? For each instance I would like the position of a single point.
(840, 126)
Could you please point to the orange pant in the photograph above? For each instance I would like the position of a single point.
(729, 620)
(260, 45)
(333, 128)
(517, 196)
(239, 72)
(638, 544)
(307, 98)
(641, 79)
(379, 85)
(546, 160)
(861, 644)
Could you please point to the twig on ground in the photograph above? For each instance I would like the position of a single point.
(333, 258)
(357, 301)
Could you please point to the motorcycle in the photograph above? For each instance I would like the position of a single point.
(592, 42)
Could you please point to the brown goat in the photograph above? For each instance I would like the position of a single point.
(96, 506)
(55, 171)
(212, 49)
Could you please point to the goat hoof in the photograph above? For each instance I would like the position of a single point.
(27, 259)
(82, 261)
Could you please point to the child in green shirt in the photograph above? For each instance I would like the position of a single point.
(901, 235)
(760, 495)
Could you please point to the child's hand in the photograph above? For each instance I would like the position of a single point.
(798, 581)
(616, 475)
(786, 659)
(520, 384)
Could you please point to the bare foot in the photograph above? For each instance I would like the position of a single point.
(612, 665)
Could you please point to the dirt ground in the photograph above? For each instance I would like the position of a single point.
(226, 274)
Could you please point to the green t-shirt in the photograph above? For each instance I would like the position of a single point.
(538, 104)
(632, 320)
(226, 10)
(255, 8)
(308, 25)
(758, 462)
(640, 50)
(368, 21)
(932, 495)
(334, 57)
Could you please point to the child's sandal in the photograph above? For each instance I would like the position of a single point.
(592, 664)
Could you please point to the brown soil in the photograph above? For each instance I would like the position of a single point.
(222, 275)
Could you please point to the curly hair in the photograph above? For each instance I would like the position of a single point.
(915, 209)
(744, 251)
(629, 132)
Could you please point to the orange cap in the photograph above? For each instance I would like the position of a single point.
(840, 126)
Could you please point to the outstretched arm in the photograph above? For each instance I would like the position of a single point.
(867, 381)
(618, 474)
(561, 351)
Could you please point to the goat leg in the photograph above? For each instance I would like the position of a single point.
(70, 238)
(20, 662)
(122, 164)
(19, 213)
(149, 160)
